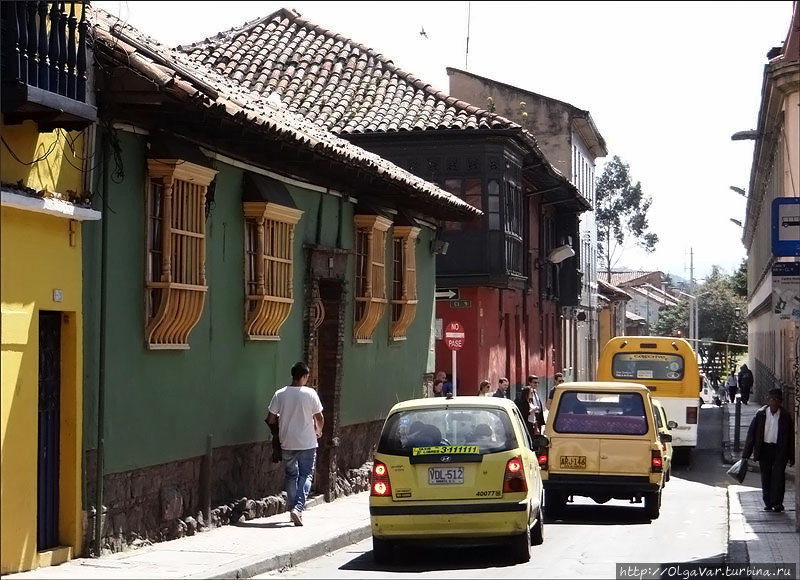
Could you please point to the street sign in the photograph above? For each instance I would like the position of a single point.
(786, 290)
(454, 336)
(447, 294)
(786, 226)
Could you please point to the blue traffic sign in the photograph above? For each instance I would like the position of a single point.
(786, 226)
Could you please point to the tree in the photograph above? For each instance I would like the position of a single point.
(739, 280)
(621, 212)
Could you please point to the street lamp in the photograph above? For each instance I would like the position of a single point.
(745, 135)
(737, 222)
(738, 190)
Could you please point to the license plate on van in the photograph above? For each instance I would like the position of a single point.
(573, 462)
(445, 475)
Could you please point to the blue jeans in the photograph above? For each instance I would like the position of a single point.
(299, 466)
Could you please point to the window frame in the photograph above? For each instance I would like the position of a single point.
(175, 297)
(370, 296)
(404, 306)
(268, 308)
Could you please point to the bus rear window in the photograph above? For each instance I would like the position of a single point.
(648, 366)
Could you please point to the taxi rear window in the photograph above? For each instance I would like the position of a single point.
(488, 429)
(601, 413)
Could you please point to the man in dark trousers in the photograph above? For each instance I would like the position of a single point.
(770, 439)
(745, 383)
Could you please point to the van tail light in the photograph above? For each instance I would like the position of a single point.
(514, 479)
(543, 460)
(656, 463)
(380, 485)
(691, 415)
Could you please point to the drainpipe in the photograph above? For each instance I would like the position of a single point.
(101, 383)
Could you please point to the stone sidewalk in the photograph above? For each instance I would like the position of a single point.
(756, 536)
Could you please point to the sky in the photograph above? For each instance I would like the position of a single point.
(667, 84)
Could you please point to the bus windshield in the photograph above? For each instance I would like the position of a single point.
(648, 366)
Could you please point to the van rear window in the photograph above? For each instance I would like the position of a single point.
(647, 365)
(488, 429)
(601, 413)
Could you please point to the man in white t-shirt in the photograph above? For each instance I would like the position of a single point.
(299, 427)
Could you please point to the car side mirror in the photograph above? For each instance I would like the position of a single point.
(665, 438)
(539, 441)
(671, 424)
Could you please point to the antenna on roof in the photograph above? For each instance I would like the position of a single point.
(466, 56)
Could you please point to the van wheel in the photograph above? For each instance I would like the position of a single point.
(554, 502)
(537, 533)
(521, 547)
(652, 504)
(382, 550)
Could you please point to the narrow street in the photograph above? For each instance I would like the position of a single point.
(588, 541)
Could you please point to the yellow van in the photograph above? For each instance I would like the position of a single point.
(603, 444)
(665, 426)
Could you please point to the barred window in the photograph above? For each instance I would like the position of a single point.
(370, 275)
(269, 250)
(404, 280)
(175, 277)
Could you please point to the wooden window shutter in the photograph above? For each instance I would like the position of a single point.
(370, 295)
(404, 299)
(269, 251)
(175, 276)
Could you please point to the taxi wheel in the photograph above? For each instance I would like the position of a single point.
(382, 550)
(652, 504)
(537, 533)
(521, 547)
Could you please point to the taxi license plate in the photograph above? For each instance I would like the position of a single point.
(573, 462)
(445, 475)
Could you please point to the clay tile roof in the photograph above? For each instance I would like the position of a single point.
(178, 76)
(333, 81)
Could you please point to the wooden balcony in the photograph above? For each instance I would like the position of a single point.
(44, 65)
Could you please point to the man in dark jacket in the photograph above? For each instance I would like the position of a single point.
(745, 383)
(770, 439)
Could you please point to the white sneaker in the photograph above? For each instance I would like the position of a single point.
(296, 517)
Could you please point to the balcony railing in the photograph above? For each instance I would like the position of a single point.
(44, 70)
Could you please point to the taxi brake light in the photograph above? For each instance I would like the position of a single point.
(380, 485)
(514, 479)
(543, 460)
(657, 464)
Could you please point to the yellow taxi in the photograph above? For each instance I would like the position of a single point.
(664, 427)
(459, 470)
(603, 444)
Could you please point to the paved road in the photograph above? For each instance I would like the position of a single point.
(587, 542)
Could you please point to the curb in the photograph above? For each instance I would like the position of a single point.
(263, 564)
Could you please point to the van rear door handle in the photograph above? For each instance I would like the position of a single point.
(604, 457)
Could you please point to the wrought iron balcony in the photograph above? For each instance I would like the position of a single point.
(44, 64)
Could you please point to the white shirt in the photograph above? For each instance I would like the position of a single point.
(771, 426)
(296, 407)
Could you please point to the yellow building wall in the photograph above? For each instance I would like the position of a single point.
(604, 327)
(37, 257)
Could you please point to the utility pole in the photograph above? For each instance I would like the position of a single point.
(693, 303)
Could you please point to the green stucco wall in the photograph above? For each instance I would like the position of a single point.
(160, 405)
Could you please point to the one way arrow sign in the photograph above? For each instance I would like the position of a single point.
(447, 294)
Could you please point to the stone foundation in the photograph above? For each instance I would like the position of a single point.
(164, 502)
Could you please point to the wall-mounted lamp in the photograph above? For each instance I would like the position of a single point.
(737, 312)
(561, 253)
(745, 135)
(439, 247)
(738, 190)
(737, 222)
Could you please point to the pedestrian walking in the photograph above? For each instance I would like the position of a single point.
(770, 439)
(557, 380)
(745, 383)
(732, 386)
(536, 415)
(438, 385)
(484, 388)
(502, 388)
(300, 425)
(523, 402)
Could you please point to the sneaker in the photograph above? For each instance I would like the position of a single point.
(777, 508)
(767, 508)
(297, 517)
